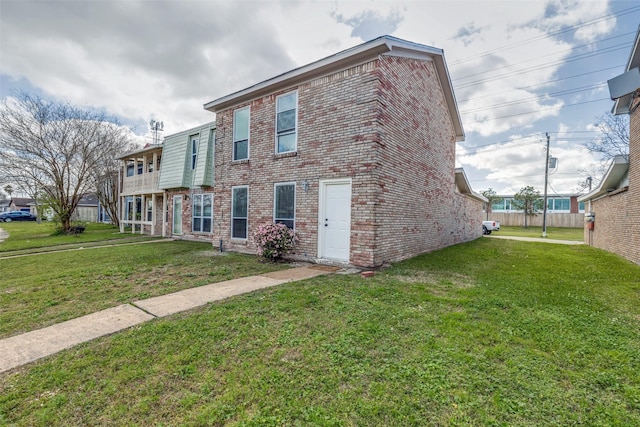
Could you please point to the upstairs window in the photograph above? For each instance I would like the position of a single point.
(286, 118)
(284, 209)
(130, 169)
(241, 134)
(194, 151)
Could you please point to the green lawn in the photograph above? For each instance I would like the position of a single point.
(492, 332)
(576, 234)
(33, 237)
(42, 289)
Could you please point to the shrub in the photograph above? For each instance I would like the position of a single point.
(274, 240)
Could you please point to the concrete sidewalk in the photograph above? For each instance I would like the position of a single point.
(537, 239)
(25, 348)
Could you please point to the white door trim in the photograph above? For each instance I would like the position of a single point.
(323, 183)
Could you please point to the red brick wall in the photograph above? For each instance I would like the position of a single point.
(187, 205)
(419, 210)
(383, 124)
(617, 222)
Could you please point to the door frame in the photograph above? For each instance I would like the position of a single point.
(323, 183)
(175, 198)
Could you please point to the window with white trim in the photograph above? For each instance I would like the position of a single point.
(241, 133)
(239, 212)
(286, 122)
(194, 151)
(284, 204)
(202, 210)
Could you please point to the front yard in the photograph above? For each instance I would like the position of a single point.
(492, 332)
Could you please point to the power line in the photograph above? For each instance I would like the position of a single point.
(545, 83)
(539, 109)
(533, 98)
(549, 35)
(540, 67)
(555, 54)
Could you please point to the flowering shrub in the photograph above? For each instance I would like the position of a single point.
(274, 240)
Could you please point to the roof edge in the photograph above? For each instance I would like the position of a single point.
(617, 168)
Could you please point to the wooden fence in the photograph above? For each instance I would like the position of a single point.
(562, 220)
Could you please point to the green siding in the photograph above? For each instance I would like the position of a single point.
(175, 168)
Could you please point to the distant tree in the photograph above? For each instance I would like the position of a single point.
(55, 151)
(493, 197)
(613, 139)
(528, 200)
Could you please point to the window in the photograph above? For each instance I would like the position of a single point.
(149, 210)
(202, 213)
(284, 209)
(559, 204)
(580, 206)
(140, 165)
(241, 134)
(150, 167)
(130, 169)
(239, 212)
(194, 151)
(286, 107)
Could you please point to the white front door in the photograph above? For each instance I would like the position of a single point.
(334, 221)
(177, 215)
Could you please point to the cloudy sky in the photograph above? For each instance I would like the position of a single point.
(520, 69)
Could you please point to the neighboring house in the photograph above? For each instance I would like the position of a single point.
(186, 177)
(4, 205)
(88, 210)
(142, 202)
(355, 152)
(614, 207)
(563, 210)
(20, 204)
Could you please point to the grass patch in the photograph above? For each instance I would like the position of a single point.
(29, 236)
(491, 332)
(39, 290)
(575, 234)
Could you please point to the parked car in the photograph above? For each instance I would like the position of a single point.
(16, 216)
(489, 226)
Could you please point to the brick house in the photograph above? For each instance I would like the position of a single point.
(615, 204)
(355, 151)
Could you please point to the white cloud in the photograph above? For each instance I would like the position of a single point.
(142, 59)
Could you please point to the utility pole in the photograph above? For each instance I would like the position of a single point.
(546, 179)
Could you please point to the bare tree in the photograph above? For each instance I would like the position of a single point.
(56, 151)
(614, 137)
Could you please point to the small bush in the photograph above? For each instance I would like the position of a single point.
(274, 240)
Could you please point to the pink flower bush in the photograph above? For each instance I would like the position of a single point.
(274, 240)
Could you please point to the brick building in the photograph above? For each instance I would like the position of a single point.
(356, 152)
(615, 204)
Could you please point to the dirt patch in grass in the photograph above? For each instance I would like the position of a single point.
(453, 280)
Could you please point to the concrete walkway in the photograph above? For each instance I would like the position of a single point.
(25, 348)
(537, 239)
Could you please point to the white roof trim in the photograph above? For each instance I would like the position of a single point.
(617, 169)
(465, 188)
(622, 105)
(385, 45)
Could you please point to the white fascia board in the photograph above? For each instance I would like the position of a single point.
(385, 45)
(137, 153)
(617, 169)
(622, 105)
(465, 188)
